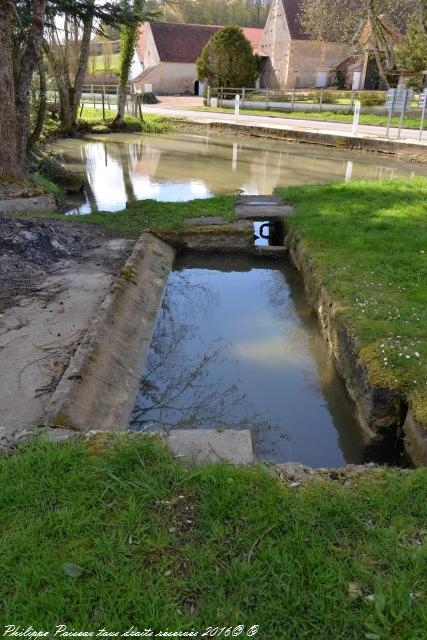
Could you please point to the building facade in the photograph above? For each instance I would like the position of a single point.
(293, 60)
(166, 56)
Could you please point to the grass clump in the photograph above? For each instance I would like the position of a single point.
(151, 214)
(47, 185)
(113, 533)
(90, 118)
(368, 241)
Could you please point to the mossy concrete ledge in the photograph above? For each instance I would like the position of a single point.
(99, 387)
(379, 409)
(408, 150)
(36, 203)
(415, 439)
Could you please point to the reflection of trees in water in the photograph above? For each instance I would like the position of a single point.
(182, 388)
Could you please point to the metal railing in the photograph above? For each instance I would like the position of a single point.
(313, 100)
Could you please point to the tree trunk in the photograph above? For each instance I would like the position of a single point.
(63, 86)
(128, 38)
(83, 62)
(10, 165)
(41, 111)
(29, 60)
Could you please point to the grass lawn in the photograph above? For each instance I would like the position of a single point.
(327, 116)
(113, 535)
(97, 64)
(369, 244)
(149, 124)
(151, 214)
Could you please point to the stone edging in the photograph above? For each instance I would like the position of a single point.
(401, 149)
(99, 387)
(37, 203)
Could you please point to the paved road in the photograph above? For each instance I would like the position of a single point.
(279, 123)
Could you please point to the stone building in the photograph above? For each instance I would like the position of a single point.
(360, 68)
(292, 59)
(166, 56)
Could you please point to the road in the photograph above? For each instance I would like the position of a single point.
(411, 135)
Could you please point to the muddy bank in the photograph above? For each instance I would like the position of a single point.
(53, 277)
(32, 249)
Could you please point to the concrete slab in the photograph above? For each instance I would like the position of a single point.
(38, 203)
(262, 212)
(204, 220)
(260, 200)
(212, 445)
(98, 389)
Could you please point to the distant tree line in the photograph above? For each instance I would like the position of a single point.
(245, 13)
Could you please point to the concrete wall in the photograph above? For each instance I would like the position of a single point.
(308, 58)
(169, 78)
(177, 77)
(150, 56)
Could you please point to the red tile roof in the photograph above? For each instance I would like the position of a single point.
(177, 42)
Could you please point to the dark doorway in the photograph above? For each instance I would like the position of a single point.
(196, 88)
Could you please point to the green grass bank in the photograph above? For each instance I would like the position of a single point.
(115, 534)
(368, 242)
(150, 214)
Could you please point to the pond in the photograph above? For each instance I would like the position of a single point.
(237, 346)
(118, 168)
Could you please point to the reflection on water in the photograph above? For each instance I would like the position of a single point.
(254, 361)
(118, 168)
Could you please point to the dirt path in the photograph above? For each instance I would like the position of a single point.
(45, 315)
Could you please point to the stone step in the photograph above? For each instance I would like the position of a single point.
(211, 445)
(204, 220)
(276, 252)
(262, 212)
(260, 200)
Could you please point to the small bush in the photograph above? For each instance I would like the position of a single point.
(149, 98)
(372, 98)
(341, 79)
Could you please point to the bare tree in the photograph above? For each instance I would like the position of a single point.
(68, 57)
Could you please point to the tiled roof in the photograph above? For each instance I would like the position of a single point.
(254, 36)
(184, 42)
(292, 12)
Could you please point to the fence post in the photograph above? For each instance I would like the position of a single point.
(353, 94)
(243, 97)
(94, 101)
(321, 100)
(293, 98)
(266, 98)
(208, 96)
(103, 103)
